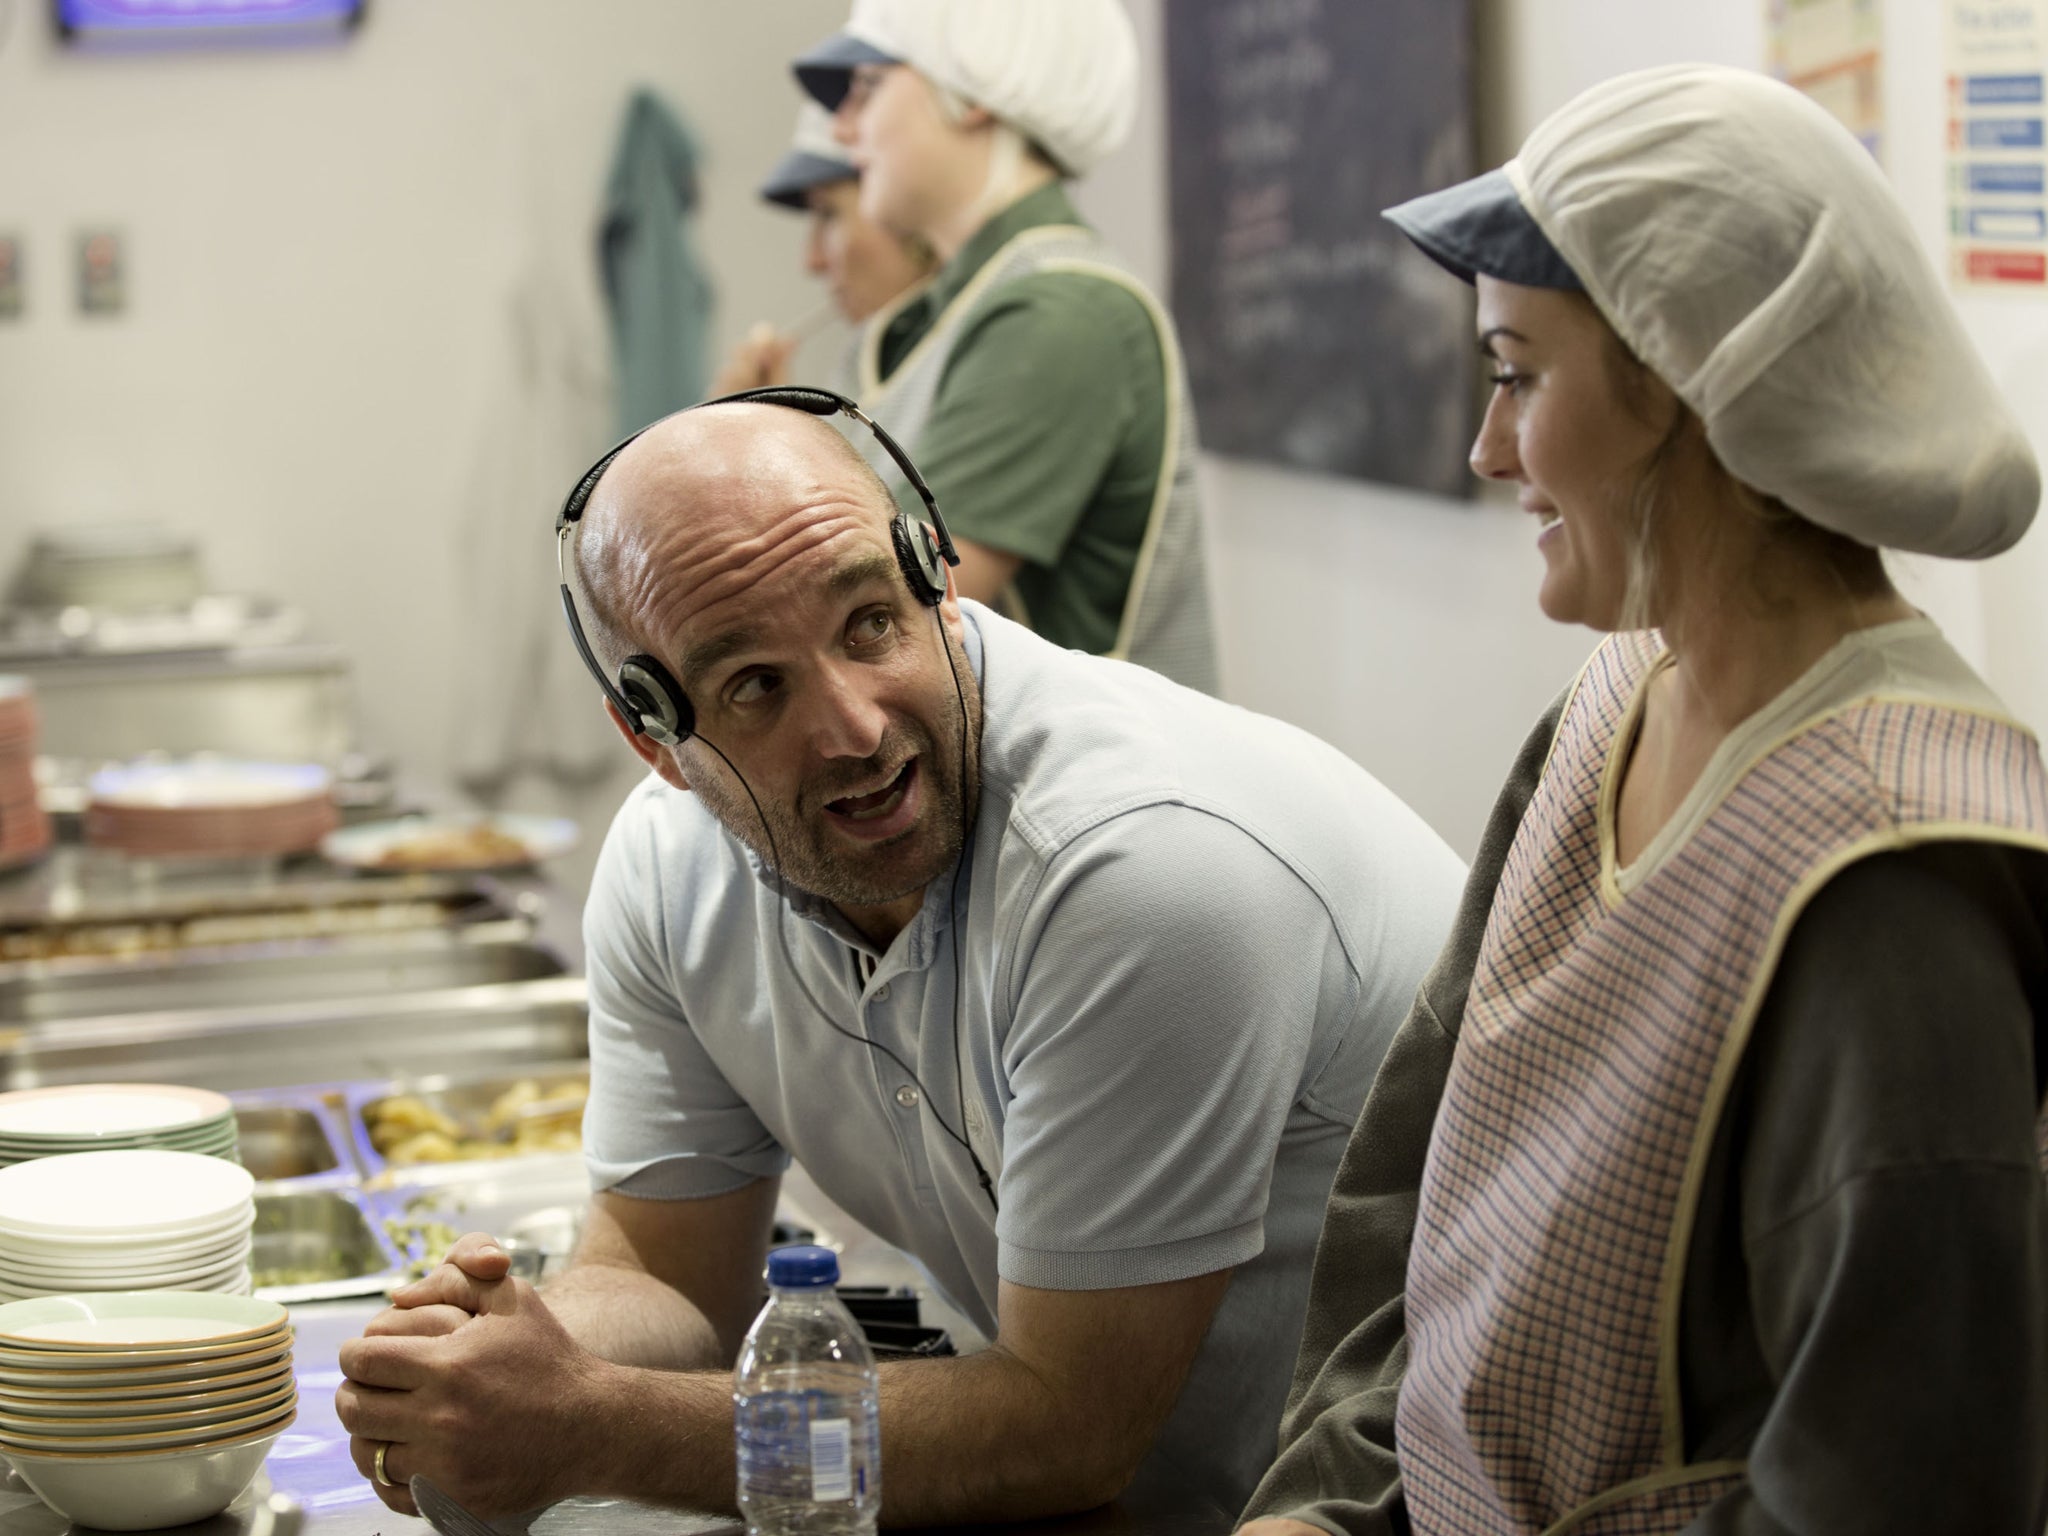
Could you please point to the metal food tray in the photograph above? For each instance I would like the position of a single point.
(463, 1097)
(293, 1141)
(277, 974)
(335, 1234)
(281, 1046)
(114, 927)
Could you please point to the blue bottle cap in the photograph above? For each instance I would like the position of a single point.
(802, 1265)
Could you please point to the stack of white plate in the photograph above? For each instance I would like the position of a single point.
(125, 1221)
(144, 1409)
(113, 1117)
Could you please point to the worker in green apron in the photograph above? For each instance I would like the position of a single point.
(1037, 382)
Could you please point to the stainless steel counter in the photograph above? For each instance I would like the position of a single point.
(310, 1464)
(490, 1005)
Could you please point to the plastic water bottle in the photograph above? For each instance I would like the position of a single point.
(807, 1408)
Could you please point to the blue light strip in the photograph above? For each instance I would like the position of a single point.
(104, 16)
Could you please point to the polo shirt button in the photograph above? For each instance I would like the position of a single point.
(907, 1096)
(881, 993)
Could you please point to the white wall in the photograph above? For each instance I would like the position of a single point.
(319, 245)
(1404, 627)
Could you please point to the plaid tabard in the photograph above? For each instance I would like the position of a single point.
(1597, 1050)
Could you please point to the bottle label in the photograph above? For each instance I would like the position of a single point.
(793, 1445)
(831, 1472)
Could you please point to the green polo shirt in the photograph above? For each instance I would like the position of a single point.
(1048, 428)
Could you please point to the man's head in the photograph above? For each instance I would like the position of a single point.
(747, 547)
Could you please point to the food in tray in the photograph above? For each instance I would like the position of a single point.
(478, 846)
(123, 938)
(457, 841)
(423, 1233)
(529, 1117)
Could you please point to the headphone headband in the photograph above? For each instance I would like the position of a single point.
(646, 694)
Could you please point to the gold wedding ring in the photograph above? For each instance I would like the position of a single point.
(377, 1466)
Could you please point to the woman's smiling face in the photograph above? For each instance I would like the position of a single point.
(1559, 427)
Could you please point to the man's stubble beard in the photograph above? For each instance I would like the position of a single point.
(849, 877)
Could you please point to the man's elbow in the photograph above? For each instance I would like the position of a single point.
(1097, 1466)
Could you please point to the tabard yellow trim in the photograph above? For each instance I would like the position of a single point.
(1571, 697)
(1608, 816)
(1169, 449)
(1671, 1286)
(1656, 1482)
(873, 388)
(1607, 813)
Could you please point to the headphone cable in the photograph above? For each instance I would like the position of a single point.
(952, 913)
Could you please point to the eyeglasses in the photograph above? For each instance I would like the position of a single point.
(862, 84)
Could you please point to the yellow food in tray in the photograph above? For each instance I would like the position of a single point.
(525, 1119)
(481, 846)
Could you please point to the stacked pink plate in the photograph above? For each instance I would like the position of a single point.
(24, 829)
(210, 808)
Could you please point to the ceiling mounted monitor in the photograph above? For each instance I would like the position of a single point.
(156, 21)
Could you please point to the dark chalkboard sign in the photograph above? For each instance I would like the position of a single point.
(1315, 334)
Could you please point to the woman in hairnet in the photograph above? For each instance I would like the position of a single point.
(1731, 1215)
(862, 265)
(1035, 381)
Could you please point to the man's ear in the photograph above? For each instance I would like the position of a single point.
(949, 605)
(649, 751)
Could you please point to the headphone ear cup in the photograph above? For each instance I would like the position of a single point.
(665, 714)
(917, 552)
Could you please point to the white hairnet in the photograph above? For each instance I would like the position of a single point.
(814, 136)
(1748, 249)
(1064, 73)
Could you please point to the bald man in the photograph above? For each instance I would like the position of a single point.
(1137, 964)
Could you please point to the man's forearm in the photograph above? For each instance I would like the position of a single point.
(975, 1439)
(630, 1318)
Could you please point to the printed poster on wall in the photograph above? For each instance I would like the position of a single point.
(1833, 50)
(1997, 160)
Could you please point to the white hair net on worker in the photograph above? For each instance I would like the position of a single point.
(1063, 73)
(1748, 249)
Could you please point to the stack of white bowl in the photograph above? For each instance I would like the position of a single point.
(111, 1117)
(133, 1411)
(125, 1221)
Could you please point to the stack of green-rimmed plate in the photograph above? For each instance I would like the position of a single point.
(110, 1117)
(133, 1411)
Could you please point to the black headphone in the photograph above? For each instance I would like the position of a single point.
(652, 703)
(646, 693)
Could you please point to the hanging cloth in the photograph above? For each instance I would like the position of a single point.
(544, 411)
(655, 284)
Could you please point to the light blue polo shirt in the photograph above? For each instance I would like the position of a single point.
(1187, 934)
